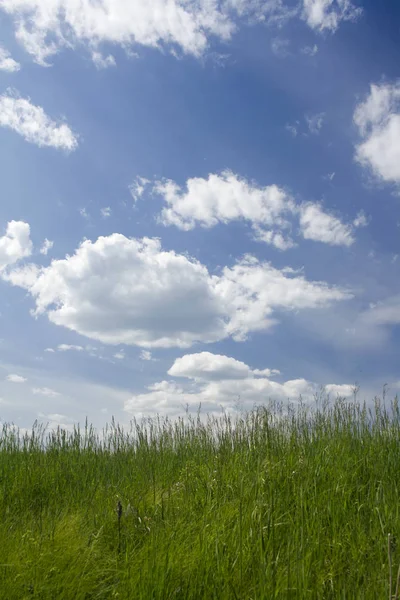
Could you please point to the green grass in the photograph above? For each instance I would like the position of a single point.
(267, 505)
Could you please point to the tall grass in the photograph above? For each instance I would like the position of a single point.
(270, 504)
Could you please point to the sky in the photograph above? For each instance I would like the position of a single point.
(199, 205)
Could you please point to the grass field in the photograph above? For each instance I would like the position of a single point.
(267, 505)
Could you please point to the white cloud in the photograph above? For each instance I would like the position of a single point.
(47, 245)
(15, 244)
(270, 210)
(221, 381)
(7, 63)
(103, 62)
(23, 277)
(223, 198)
(45, 391)
(343, 390)
(315, 122)
(44, 27)
(310, 50)
(206, 366)
(91, 350)
(378, 122)
(138, 187)
(67, 347)
(32, 123)
(146, 355)
(328, 14)
(105, 212)
(13, 378)
(129, 291)
(120, 355)
(254, 291)
(319, 226)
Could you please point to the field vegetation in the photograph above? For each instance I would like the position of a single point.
(275, 503)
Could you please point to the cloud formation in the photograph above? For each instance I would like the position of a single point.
(378, 123)
(47, 245)
(221, 382)
(32, 123)
(319, 226)
(328, 14)
(270, 210)
(13, 378)
(206, 366)
(122, 290)
(15, 244)
(7, 63)
(44, 27)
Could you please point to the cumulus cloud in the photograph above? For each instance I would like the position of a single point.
(13, 378)
(44, 27)
(221, 381)
(122, 290)
(220, 199)
(32, 123)
(15, 244)
(378, 123)
(269, 210)
(7, 63)
(327, 14)
(206, 366)
(23, 277)
(146, 355)
(319, 226)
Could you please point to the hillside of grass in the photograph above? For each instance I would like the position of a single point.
(271, 504)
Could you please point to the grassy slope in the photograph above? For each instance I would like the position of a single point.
(299, 509)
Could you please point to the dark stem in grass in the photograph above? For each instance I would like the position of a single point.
(396, 594)
(119, 515)
(390, 567)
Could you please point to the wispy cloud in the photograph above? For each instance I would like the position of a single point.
(32, 123)
(7, 63)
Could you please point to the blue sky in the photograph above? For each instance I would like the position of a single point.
(220, 183)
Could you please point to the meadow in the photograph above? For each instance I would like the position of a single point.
(273, 503)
